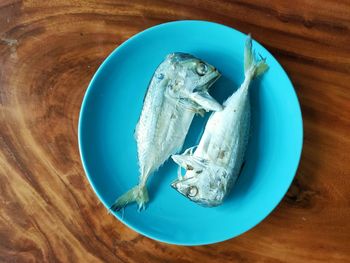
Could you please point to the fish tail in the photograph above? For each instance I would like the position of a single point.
(138, 194)
(253, 66)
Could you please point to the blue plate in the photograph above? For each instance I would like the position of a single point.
(111, 108)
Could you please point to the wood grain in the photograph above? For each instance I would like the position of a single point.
(49, 51)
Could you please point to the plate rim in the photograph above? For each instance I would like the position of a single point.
(89, 177)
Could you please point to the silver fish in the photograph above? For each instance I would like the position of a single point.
(178, 90)
(213, 167)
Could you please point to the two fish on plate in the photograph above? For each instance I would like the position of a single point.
(179, 90)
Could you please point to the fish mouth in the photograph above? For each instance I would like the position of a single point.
(178, 181)
(214, 76)
(187, 193)
(174, 184)
(185, 190)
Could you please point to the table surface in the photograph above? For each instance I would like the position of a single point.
(49, 50)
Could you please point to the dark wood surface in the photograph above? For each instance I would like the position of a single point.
(49, 50)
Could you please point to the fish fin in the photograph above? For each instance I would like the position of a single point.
(189, 162)
(205, 101)
(193, 105)
(248, 54)
(189, 151)
(184, 104)
(252, 65)
(179, 159)
(138, 194)
(179, 173)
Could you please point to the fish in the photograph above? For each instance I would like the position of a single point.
(214, 165)
(178, 90)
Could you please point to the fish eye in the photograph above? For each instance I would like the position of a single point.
(192, 191)
(201, 69)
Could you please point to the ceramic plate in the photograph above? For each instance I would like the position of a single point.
(111, 109)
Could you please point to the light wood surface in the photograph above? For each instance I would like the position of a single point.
(49, 50)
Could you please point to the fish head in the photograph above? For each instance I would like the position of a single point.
(190, 79)
(203, 182)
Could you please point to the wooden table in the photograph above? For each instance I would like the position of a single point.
(49, 50)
